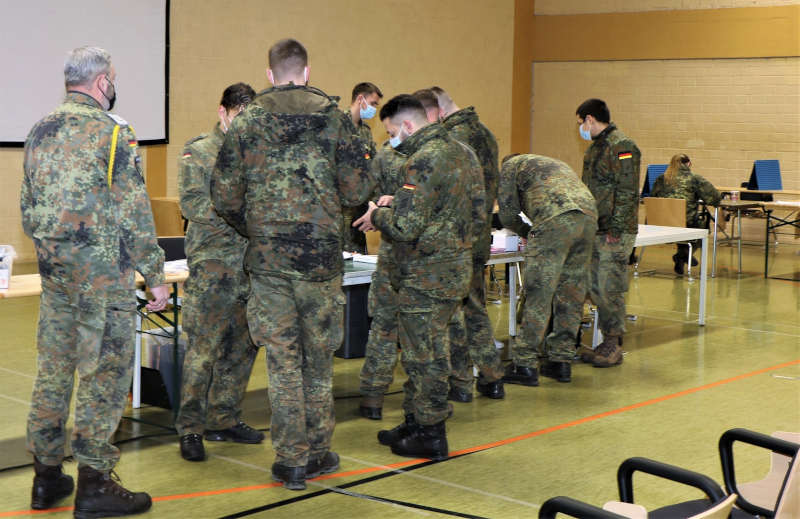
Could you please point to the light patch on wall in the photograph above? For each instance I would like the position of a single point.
(567, 7)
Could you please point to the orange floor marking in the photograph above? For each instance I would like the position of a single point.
(478, 448)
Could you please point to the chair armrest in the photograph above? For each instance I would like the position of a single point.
(765, 441)
(656, 468)
(574, 508)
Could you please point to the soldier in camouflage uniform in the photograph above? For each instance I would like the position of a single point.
(364, 103)
(430, 222)
(380, 357)
(220, 354)
(611, 171)
(85, 206)
(471, 335)
(557, 257)
(286, 167)
(679, 182)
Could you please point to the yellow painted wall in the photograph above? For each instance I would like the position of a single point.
(466, 47)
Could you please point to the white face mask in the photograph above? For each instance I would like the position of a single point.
(397, 139)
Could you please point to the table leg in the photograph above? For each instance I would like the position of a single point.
(703, 257)
(512, 301)
(136, 400)
(714, 246)
(176, 369)
(739, 241)
(766, 245)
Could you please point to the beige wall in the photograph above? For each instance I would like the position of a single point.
(723, 113)
(465, 47)
(561, 7)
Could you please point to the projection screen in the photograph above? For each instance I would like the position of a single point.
(34, 41)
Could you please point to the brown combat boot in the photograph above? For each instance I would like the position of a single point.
(101, 496)
(49, 485)
(608, 353)
(586, 354)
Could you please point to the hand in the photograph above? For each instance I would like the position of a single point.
(160, 297)
(364, 223)
(610, 239)
(385, 200)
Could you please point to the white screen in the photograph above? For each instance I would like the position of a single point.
(36, 36)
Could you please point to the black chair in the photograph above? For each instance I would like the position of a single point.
(173, 247)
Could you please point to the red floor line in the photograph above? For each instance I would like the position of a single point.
(478, 448)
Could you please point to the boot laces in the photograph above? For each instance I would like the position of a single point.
(113, 484)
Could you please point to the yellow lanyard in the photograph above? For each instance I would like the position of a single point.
(114, 138)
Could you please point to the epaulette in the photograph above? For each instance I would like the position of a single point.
(117, 119)
(195, 139)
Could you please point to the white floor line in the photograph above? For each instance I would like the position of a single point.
(24, 402)
(445, 483)
(21, 374)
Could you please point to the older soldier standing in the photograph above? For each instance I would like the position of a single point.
(364, 103)
(430, 222)
(287, 166)
(220, 354)
(557, 257)
(611, 171)
(472, 337)
(85, 206)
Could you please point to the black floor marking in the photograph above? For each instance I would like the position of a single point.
(362, 481)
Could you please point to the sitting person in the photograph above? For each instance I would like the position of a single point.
(678, 181)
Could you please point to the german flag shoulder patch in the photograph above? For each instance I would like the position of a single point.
(411, 187)
(624, 155)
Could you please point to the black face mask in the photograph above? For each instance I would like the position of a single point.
(112, 98)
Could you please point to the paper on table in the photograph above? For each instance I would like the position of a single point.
(176, 266)
(365, 258)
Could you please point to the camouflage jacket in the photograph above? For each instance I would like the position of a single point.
(465, 126)
(352, 238)
(287, 165)
(208, 237)
(542, 188)
(611, 170)
(692, 188)
(387, 170)
(431, 218)
(90, 222)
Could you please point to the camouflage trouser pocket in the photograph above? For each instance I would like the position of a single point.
(336, 335)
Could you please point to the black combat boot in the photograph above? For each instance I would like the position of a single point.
(49, 485)
(561, 371)
(426, 441)
(293, 478)
(458, 394)
(401, 431)
(371, 407)
(101, 496)
(521, 375)
(494, 390)
(325, 464)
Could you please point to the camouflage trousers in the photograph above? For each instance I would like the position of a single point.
(301, 324)
(471, 336)
(610, 281)
(94, 335)
(426, 301)
(557, 263)
(220, 354)
(380, 356)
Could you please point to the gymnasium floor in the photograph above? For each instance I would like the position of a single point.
(679, 388)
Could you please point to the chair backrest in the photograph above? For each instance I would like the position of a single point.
(789, 498)
(720, 511)
(670, 212)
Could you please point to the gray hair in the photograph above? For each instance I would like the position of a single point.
(84, 64)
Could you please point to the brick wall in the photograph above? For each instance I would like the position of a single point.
(723, 113)
(563, 7)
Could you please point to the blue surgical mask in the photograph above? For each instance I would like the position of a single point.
(585, 134)
(396, 140)
(368, 112)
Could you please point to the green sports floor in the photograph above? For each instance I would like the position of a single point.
(679, 388)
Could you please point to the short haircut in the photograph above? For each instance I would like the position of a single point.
(236, 95)
(287, 57)
(365, 89)
(427, 98)
(509, 157)
(403, 104)
(597, 108)
(445, 101)
(84, 64)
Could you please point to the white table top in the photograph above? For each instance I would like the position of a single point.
(658, 234)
